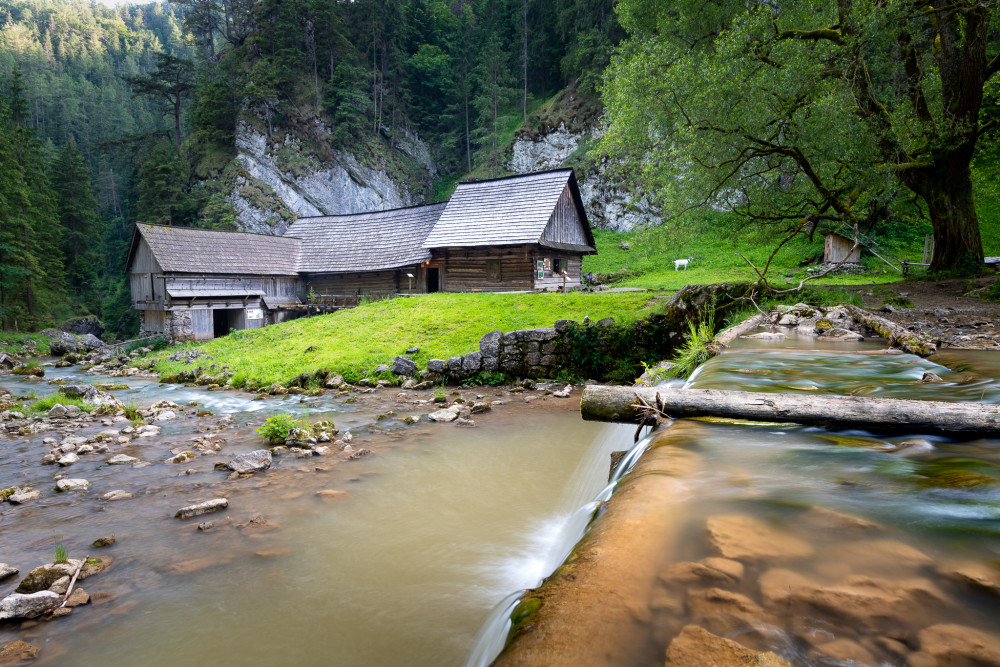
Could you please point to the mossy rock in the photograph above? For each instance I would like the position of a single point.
(958, 473)
(40, 579)
(523, 612)
(824, 324)
(7, 493)
(36, 371)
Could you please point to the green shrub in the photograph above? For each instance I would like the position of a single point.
(43, 405)
(694, 352)
(276, 429)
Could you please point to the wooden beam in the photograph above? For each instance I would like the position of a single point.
(626, 404)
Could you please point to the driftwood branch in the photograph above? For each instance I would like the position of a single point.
(631, 404)
(895, 334)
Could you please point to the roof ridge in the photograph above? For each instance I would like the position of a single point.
(214, 231)
(385, 210)
(513, 176)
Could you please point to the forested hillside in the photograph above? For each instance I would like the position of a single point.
(132, 113)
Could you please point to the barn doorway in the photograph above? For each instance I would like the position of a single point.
(433, 278)
(223, 321)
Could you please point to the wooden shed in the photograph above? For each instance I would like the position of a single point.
(371, 254)
(838, 248)
(527, 232)
(202, 284)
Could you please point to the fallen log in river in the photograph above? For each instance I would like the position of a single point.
(636, 404)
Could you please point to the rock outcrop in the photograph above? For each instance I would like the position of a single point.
(270, 192)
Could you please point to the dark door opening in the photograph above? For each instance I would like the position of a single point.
(432, 279)
(220, 323)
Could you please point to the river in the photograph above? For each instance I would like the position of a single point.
(442, 522)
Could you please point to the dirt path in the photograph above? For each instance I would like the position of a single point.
(940, 309)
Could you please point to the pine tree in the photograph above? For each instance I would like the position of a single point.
(80, 225)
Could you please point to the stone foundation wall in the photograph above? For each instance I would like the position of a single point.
(179, 327)
(545, 352)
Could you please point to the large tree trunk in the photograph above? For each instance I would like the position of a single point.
(625, 404)
(952, 209)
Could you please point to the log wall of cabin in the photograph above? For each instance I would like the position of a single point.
(468, 269)
(371, 282)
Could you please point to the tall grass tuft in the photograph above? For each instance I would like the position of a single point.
(694, 352)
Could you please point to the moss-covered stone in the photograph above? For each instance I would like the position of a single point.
(40, 579)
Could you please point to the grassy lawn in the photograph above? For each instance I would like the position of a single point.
(716, 244)
(11, 343)
(354, 342)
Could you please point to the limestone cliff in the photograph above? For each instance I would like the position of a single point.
(277, 179)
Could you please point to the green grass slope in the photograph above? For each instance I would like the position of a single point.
(354, 342)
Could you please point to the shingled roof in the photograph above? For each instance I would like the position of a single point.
(360, 242)
(186, 250)
(506, 211)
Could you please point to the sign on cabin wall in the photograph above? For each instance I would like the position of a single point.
(255, 313)
(541, 268)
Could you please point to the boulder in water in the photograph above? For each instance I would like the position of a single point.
(251, 462)
(697, 646)
(214, 505)
(18, 605)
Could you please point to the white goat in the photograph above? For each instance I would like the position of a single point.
(678, 263)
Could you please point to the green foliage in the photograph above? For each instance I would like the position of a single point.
(81, 241)
(490, 378)
(43, 405)
(276, 429)
(694, 352)
(807, 115)
(62, 553)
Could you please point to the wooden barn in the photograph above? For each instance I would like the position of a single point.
(192, 283)
(526, 232)
(374, 254)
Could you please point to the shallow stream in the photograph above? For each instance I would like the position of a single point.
(442, 522)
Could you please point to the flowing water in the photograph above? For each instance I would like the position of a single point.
(433, 529)
(443, 523)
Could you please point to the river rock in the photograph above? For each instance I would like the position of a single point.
(826, 520)
(147, 430)
(948, 644)
(181, 457)
(765, 335)
(437, 365)
(404, 366)
(82, 391)
(841, 334)
(214, 505)
(893, 552)
(117, 494)
(742, 537)
(71, 484)
(166, 415)
(697, 646)
(68, 459)
(7, 571)
(931, 378)
(251, 462)
(446, 414)
(17, 652)
(725, 612)
(975, 575)
(843, 652)
(121, 460)
(57, 411)
(90, 342)
(78, 598)
(564, 392)
(62, 343)
(20, 605)
(23, 496)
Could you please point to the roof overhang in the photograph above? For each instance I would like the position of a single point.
(212, 293)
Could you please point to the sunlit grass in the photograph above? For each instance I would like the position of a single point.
(354, 342)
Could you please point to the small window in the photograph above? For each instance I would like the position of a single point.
(557, 267)
(493, 269)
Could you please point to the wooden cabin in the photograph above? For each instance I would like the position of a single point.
(194, 283)
(838, 248)
(371, 254)
(527, 232)
(521, 233)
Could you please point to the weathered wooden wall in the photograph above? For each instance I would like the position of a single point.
(572, 263)
(565, 225)
(468, 269)
(838, 249)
